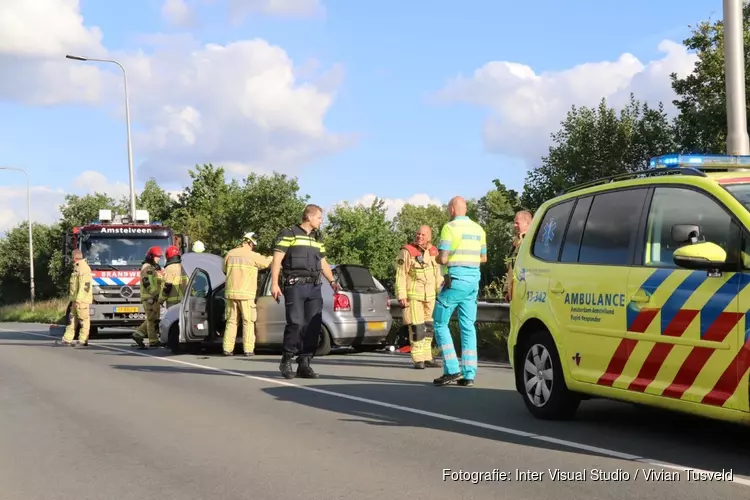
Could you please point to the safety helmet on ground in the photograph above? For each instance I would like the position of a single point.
(154, 252)
(199, 247)
(250, 236)
(172, 252)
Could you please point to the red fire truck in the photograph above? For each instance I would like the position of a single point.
(114, 247)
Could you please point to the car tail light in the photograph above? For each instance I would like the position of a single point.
(387, 301)
(341, 303)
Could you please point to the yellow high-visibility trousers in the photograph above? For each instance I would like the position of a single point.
(79, 313)
(418, 315)
(248, 311)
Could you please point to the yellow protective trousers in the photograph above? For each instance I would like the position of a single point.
(79, 313)
(150, 327)
(249, 313)
(418, 315)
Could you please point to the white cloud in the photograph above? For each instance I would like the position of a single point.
(242, 103)
(394, 205)
(238, 9)
(46, 201)
(177, 12)
(527, 107)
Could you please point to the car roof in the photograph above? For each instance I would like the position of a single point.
(212, 264)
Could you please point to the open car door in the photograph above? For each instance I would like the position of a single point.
(194, 319)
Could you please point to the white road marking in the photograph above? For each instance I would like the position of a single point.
(473, 423)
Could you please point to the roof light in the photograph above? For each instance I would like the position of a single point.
(699, 161)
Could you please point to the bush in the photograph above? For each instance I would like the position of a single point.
(47, 311)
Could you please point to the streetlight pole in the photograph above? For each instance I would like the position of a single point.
(127, 124)
(734, 70)
(31, 238)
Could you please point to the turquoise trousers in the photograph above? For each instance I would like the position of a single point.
(462, 295)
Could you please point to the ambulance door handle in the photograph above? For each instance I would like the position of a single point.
(557, 288)
(640, 296)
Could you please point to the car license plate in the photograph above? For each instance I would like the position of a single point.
(126, 309)
(376, 325)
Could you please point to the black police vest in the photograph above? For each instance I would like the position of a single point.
(302, 258)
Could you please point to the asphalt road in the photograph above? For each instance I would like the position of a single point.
(111, 422)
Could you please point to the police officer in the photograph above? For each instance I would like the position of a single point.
(301, 255)
(175, 281)
(462, 248)
(418, 279)
(521, 224)
(80, 290)
(241, 267)
(150, 288)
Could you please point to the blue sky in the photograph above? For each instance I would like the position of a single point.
(396, 56)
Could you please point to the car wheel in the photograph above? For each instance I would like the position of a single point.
(324, 342)
(173, 338)
(542, 381)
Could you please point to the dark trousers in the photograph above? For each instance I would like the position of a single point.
(304, 310)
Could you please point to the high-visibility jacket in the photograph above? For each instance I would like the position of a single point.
(417, 273)
(150, 285)
(466, 242)
(175, 284)
(241, 267)
(81, 284)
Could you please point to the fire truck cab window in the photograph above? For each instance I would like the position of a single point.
(107, 251)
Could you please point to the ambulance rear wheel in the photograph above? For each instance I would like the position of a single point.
(542, 382)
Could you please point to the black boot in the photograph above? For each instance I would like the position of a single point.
(303, 368)
(286, 367)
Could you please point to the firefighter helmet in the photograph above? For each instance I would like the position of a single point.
(172, 252)
(199, 247)
(251, 238)
(154, 252)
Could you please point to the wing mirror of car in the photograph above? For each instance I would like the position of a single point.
(700, 256)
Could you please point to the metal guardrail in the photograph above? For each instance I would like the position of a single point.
(487, 312)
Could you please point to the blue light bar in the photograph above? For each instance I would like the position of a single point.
(699, 161)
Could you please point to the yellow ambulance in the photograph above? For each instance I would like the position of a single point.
(635, 288)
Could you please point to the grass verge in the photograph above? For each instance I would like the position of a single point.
(46, 311)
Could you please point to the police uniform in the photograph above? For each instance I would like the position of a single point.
(301, 268)
(466, 242)
(150, 288)
(175, 283)
(80, 290)
(241, 267)
(511, 262)
(418, 279)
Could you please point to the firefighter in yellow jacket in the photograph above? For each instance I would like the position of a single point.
(175, 281)
(418, 280)
(241, 267)
(150, 289)
(81, 297)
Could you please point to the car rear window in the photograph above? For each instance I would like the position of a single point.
(356, 279)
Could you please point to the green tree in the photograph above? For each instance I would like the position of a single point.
(599, 142)
(701, 126)
(268, 203)
(496, 211)
(362, 235)
(411, 217)
(14, 263)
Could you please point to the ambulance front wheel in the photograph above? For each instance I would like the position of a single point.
(542, 382)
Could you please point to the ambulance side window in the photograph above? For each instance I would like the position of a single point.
(674, 205)
(611, 227)
(551, 230)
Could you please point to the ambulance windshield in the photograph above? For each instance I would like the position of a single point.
(106, 251)
(741, 192)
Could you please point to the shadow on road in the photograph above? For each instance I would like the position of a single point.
(651, 434)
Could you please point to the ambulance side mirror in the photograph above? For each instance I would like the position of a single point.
(700, 256)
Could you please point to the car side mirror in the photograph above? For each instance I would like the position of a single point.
(686, 233)
(700, 256)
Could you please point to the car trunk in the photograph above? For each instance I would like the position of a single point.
(366, 298)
